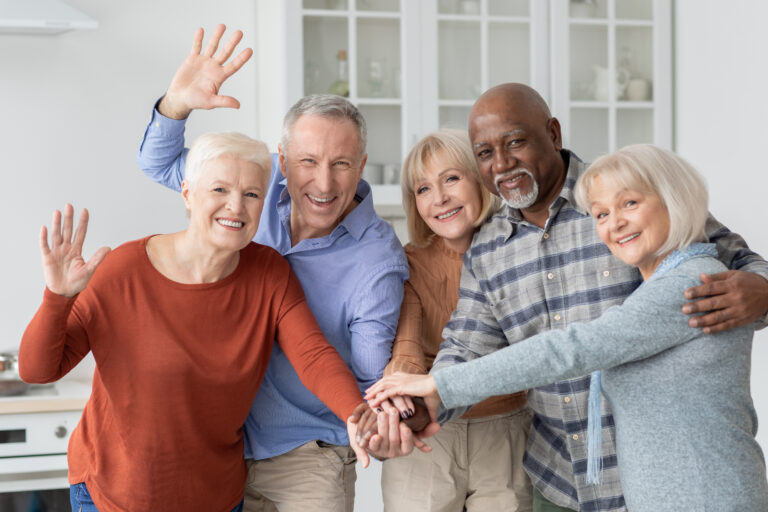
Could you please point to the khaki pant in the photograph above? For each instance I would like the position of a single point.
(314, 476)
(474, 463)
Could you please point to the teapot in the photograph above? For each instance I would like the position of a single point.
(601, 82)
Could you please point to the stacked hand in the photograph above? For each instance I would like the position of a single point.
(66, 272)
(197, 82)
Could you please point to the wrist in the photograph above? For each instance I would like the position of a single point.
(171, 110)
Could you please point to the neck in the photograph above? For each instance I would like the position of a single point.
(538, 213)
(459, 245)
(198, 262)
(301, 230)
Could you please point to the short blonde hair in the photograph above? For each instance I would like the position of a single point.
(452, 146)
(210, 146)
(650, 169)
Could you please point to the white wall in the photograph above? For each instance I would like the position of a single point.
(721, 111)
(73, 110)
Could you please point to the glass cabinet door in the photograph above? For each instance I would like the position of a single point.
(482, 43)
(613, 78)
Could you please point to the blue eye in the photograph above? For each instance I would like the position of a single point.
(421, 190)
(218, 189)
(252, 194)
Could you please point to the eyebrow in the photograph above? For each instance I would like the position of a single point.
(516, 131)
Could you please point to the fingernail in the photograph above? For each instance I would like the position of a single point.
(404, 415)
(686, 309)
(410, 412)
(378, 409)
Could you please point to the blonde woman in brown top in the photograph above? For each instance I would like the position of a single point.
(476, 460)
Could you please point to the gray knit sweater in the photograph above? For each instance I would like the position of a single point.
(684, 417)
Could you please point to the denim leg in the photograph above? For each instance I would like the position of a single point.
(80, 499)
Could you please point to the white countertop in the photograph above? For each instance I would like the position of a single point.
(64, 395)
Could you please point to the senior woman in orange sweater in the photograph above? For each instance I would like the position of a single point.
(181, 327)
(476, 460)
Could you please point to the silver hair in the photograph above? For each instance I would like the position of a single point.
(648, 168)
(328, 106)
(210, 146)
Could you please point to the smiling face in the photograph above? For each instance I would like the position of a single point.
(517, 148)
(322, 165)
(633, 224)
(449, 201)
(225, 203)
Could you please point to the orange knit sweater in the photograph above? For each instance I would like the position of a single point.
(431, 294)
(177, 368)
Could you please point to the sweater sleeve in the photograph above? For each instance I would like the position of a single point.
(54, 341)
(648, 322)
(407, 351)
(318, 365)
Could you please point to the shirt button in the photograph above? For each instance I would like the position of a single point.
(546, 236)
(606, 273)
(567, 399)
(558, 317)
(575, 437)
(550, 276)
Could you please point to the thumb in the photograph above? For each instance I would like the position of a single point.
(224, 102)
(96, 259)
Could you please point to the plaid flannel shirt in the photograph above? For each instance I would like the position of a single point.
(518, 280)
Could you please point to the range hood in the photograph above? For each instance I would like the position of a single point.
(41, 17)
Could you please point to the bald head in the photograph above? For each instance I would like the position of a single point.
(517, 143)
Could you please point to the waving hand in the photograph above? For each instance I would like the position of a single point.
(197, 82)
(66, 272)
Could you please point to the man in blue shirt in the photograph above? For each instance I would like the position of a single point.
(319, 214)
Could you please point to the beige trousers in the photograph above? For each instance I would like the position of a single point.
(315, 476)
(475, 465)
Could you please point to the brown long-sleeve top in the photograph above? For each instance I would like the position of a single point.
(431, 294)
(177, 369)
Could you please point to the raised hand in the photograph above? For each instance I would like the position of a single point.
(66, 272)
(400, 384)
(197, 82)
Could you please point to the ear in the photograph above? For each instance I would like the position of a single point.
(362, 166)
(553, 128)
(185, 191)
(281, 160)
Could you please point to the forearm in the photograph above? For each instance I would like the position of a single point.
(162, 155)
(48, 351)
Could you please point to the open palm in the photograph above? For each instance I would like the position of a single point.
(66, 272)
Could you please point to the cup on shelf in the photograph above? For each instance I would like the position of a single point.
(639, 89)
(372, 173)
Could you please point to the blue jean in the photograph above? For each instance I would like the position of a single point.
(81, 500)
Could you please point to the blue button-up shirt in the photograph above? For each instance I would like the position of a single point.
(352, 278)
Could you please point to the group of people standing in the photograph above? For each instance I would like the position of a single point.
(524, 263)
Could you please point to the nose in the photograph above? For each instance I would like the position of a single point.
(617, 221)
(235, 202)
(440, 196)
(503, 161)
(323, 178)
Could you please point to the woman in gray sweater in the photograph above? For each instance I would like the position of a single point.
(685, 423)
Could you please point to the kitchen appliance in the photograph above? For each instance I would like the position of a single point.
(34, 433)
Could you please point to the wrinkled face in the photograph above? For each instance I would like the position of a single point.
(517, 151)
(633, 224)
(449, 201)
(226, 202)
(322, 166)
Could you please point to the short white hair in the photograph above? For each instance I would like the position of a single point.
(211, 146)
(650, 169)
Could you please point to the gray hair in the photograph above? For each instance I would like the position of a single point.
(328, 106)
(647, 168)
(210, 146)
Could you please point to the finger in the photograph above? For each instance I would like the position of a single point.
(44, 249)
(358, 412)
(229, 46)
(406, 439)
(375, 444)
(238, 62)
(402, 406)
(66, 229)
(714, 318)
(386, 406)
(56, 229)
(213, 42)
(707, 289)
(420, 444)
(197, 42)
(96, 259)
(712, 303)
(382, 426)
(409, 402)
(430, 430)
(223, 102)
(394, 429)
(82, 229)
(362, 455)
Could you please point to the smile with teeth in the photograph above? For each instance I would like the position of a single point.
(510, 179)
(447, 214)
(628, 238)
(230, 223)
(321, 200)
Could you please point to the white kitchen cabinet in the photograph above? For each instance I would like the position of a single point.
(418, 65)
